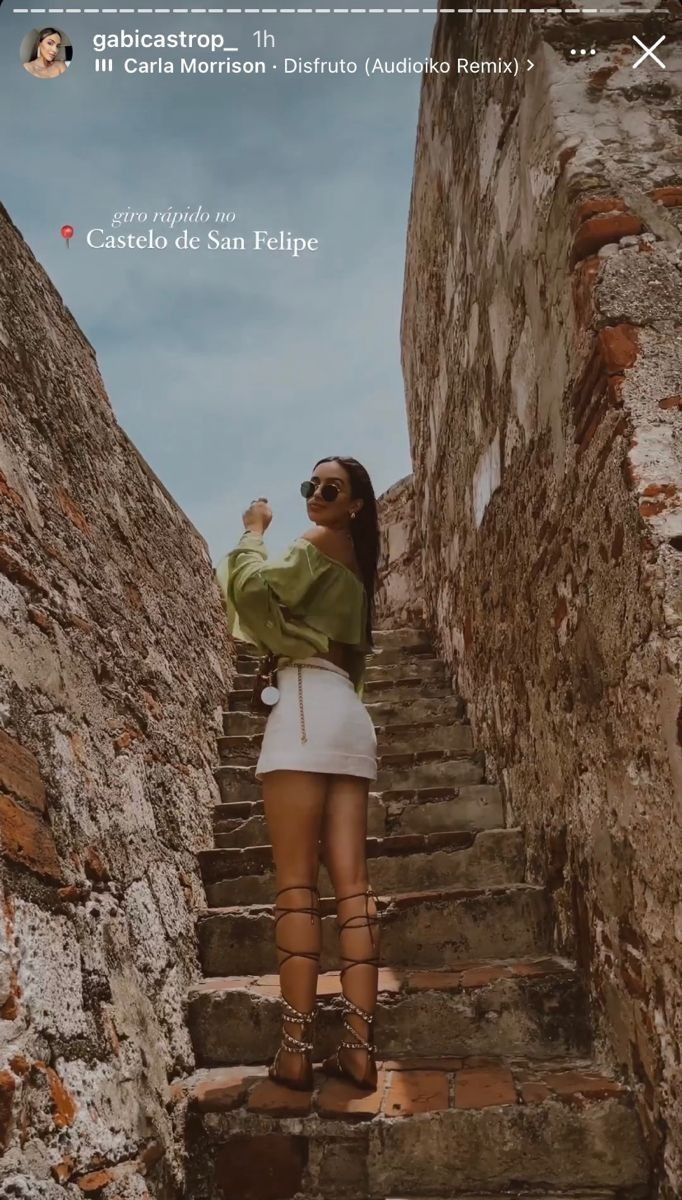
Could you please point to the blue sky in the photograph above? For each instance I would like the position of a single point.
(232, 373)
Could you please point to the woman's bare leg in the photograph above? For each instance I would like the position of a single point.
(344, 836)
(294, 804)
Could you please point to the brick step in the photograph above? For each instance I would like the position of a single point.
(495, 1127)
(418, 929)
(534, 1008)
(420, 861)
(447, 710)
(424, 810)
(410, 739)
(432, 768)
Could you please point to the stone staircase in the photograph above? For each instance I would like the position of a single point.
(487, 1087)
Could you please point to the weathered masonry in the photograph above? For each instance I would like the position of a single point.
(542, 355)
(111, 682)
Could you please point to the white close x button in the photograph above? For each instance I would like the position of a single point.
(648, 52)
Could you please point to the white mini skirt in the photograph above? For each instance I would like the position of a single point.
(318, 724)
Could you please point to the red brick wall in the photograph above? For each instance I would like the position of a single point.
(110, 693)
(542, 354)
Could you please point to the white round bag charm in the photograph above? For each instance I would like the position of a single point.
(270, 695)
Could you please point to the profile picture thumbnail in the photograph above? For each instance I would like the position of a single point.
(46, 53)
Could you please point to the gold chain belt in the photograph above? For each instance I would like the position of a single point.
(265, 697)
(299, 668)
(304, 736)
(303, 666)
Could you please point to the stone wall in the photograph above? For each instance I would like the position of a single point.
(112, 649)
(399, 599)
(542, 354)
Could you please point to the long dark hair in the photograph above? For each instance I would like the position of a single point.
(364, 529)
(43, 33)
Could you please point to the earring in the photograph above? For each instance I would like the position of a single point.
(353, 516)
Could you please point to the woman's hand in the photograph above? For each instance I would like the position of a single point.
(257, 516)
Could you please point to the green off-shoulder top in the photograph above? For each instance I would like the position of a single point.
(294, 605)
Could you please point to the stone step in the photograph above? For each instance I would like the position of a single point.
(237, 784)
(403, 692)
(245, 649)
(250, 831)
(438, 929)
(416, 736)
(405, 668)
(229, 828)
(238, 700)
(495, 1128)
(383, 655)
(424, 810)
(447, 710)
(405, 688)
(396, 863)
(416, 667)
(243, 681)
(430, 768)
(246, 664)
(532, 1008)
(246, 724)
(446, 707)
(405, 685)
(241, 749)
(515, 1194)
(399, 639)
(435, 809)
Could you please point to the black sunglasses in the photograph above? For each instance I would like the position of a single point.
(328, 491)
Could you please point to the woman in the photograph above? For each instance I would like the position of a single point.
(314, 608)
(43, 62)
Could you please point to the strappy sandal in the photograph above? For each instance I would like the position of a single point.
(333, 1065)
(303, 1046)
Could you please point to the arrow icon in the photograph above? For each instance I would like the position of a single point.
(530, 65)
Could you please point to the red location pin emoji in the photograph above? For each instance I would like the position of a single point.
(67, 233)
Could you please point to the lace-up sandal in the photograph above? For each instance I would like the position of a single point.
(302, 1080)
(333, 1065)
